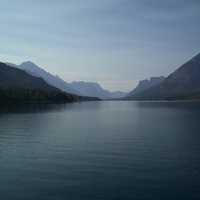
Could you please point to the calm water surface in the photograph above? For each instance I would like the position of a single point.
(101, 151)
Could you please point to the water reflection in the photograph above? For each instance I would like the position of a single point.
(42, 108)
(31, 108)
(100, 150)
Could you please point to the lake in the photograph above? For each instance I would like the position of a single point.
(100, 151)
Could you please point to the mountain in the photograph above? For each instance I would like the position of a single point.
(81, 88)
(117, 94)
(184, 83)
(55, 81)
(18, 86)
(95, 90)
(146, 84)
(11, 77)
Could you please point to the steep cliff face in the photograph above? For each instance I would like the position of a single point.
(146, 84)
(184, 83)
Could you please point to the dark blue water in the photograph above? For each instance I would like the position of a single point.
(100, 151)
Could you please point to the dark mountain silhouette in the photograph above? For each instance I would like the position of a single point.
(82, 88)
(184, 83)
(11, 77)
(18, 86)
(146, 84)
(53, 80)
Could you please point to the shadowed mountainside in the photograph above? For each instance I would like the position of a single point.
(81, 88)
(184, 83)
(146, 84)
(18, 86)
(55, 81)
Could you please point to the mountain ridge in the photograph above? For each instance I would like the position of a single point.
(95, 89)
(18, 86)
(53, 80)
(81, 88)
(146, 84)
(183, 83)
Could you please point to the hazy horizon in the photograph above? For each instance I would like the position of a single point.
(112, 42)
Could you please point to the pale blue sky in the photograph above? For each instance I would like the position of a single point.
(113, 42)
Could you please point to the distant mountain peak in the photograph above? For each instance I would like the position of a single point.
(29, 64)
(146, 84)
(34, 70)
(30, 67)
(89, 89)
(96, 90)
(183, 83)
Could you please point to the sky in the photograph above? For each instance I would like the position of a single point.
(113, 42)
